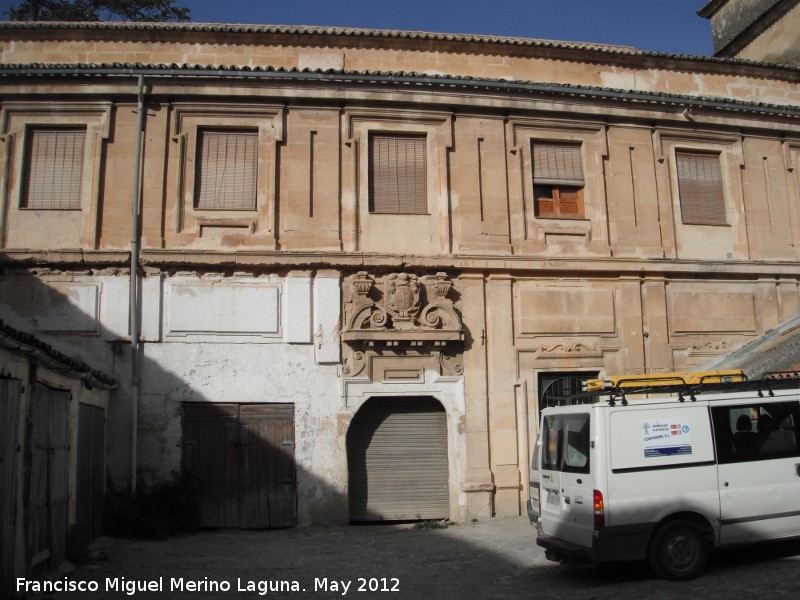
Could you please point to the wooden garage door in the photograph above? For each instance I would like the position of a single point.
(240, 458)
(397, 460)
(9, 439)
(48, 483)
(91, 483)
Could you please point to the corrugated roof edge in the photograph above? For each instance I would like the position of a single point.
(174, 69)
(377, 33)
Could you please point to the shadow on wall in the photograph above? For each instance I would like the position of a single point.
(236, 454)
(238, 459)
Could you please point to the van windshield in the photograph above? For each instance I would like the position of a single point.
(566, 443)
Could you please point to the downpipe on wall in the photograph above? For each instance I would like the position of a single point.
(134, 299)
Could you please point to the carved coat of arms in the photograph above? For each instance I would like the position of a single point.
(402, 296)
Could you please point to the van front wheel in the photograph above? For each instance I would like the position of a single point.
(678, 551)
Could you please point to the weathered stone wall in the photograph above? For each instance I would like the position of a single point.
(256, 306)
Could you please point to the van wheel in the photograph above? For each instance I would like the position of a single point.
(678, 551)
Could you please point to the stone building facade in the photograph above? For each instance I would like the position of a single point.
(761, 30)
(338, 272)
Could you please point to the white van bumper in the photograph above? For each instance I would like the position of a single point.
(609, 544)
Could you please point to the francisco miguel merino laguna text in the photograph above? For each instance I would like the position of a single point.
(174, 584)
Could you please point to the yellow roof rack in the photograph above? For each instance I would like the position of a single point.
(655, 380)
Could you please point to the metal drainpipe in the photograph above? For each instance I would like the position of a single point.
(133, 301)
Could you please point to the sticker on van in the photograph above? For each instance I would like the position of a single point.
(666, 438)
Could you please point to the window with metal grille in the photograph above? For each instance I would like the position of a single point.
(398, 173)
(557, 180)
(563, 389)
(53, 169)
(700, 188)
(227, 167)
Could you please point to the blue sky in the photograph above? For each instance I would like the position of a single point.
(661, 25)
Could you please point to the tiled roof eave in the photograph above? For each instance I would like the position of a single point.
(351, 32)
(28, 345)
(395, 79)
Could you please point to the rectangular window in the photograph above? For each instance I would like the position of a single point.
(227, 169)
(700, 188)
(566, 443)
(557, 180)
(53, 169)
(756, 431)
(398, 174)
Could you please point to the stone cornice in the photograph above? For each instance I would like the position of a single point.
(166, 259)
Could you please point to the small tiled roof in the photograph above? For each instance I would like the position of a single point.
(26, 344)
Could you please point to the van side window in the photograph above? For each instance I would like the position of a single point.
(756, 431)
(566, 443)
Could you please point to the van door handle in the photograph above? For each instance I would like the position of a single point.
(566, 499)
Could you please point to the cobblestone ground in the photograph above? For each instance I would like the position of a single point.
(495, 559)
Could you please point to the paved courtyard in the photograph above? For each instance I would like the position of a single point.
(495, 559)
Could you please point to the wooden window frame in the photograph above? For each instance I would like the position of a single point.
(386, 197)
(245, 173)
(53, 176)
(188, 221)
(701, 202)
(550, 188)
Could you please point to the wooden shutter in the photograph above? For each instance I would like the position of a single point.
(10, 402)
(54, 169)
(48, 476)
(397, 461)
(90, 484)
(557, 164)
(398, 168)
(227, 167)
(240, 460)
(700, 188)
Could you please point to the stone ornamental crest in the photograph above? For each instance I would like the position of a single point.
(401, 307)
(401, 299)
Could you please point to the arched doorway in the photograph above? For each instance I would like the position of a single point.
(397, 460)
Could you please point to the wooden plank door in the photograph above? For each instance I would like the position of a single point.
(240, 458)
(48, 485)
(209, 460)
(268, 497)
(10, 400)
(90, 486)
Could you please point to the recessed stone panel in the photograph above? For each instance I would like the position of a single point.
(710, 311)
(223, 308)
(567, 311)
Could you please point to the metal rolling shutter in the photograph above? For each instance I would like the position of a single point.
(397, 458)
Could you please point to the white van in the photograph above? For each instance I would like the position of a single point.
(668, 480)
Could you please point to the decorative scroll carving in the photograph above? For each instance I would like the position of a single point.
(451, 365)
(354, 364)
(409, 309)
(710, 348)
(565, 348)
(402, 317)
